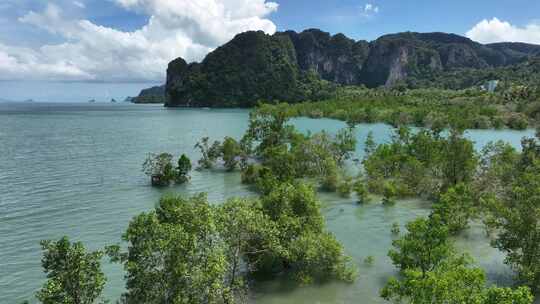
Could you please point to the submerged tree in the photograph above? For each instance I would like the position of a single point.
(175, 255)
(182, 171)
(189, 251)
(362, 192)
(431, 272)
(452, 282)
(456, 208)
(369, 145)
(268, 126)
(209, 153)
(389, 194)
(231, 152)
(459, 159)
(74, 276)
(516, 218)
(304, 248)
(247, 232)
(424, 246)
(160, 168)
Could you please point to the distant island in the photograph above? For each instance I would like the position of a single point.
(151, 95)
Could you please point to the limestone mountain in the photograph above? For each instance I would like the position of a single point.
(251, 67)
(292, 67)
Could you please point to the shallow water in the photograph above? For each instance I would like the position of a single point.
(75, 169)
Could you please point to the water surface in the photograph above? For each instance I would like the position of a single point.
(75, 169)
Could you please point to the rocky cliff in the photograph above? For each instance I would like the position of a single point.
(335, 58)
(292, 66)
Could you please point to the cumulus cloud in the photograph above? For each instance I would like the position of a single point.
(185, 28)
(495, 30)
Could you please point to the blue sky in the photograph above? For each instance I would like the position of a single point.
(129, 42)
(456, 16)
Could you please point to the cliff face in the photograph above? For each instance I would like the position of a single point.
(335, 58)
(290, 66)
(393, 58)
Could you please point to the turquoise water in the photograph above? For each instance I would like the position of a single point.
(75, 169)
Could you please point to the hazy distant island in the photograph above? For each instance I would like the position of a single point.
(154, 94)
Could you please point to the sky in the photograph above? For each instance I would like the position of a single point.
(121, 46)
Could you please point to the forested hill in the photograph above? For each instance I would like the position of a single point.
(292, 67)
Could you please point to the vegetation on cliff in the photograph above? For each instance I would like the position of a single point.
(253, 66)
(293, 67)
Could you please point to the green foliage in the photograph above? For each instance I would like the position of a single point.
(330, 179)
(161, 171)
(73, 275)
(395, 228)
(424, 246)
(182, 171)
(498, 295)
(421, 163)
(344, 145)
(369, 260)
(497, 167)
(430, 271)
(389, 194)
(345, 187)
(251, 173)
(452, 282)
(253, 66)
(189, 251)
(459, 160)
(319, 257)
(515, 216)
(369, 145)
(456, 207)
(362, 192)
(517, 122)
(286, 155)
(209, 153)
(246, 231)
(297, 206)
(305, 248)
(230, 151)
(160, 168)
(175, 255)
(268, 126)
(427, 107)
(509, 184)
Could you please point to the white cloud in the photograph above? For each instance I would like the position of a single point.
(79, 4)
(495, 30)
(369, 10)
(185, 28)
